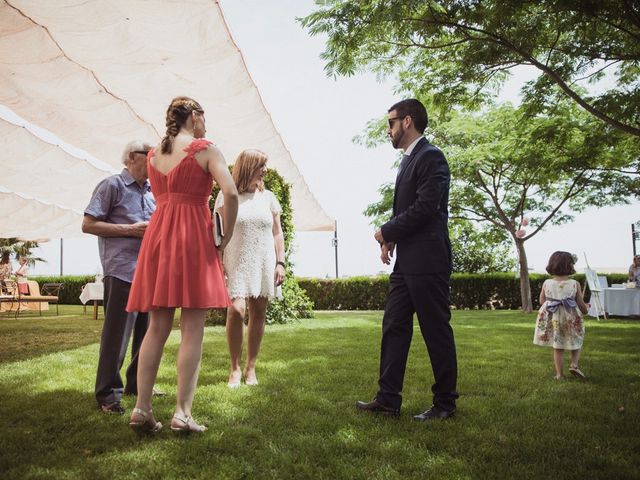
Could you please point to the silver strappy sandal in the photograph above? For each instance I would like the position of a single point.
(147, 425)
(187, 425)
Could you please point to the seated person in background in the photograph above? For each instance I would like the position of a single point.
(634, 270)
(21, 275)
(5, 269)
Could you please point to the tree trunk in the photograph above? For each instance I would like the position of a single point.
(525, 287)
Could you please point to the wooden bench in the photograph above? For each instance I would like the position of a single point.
(49, 294)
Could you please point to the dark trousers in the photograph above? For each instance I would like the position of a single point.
(428, 296)
(116, 331)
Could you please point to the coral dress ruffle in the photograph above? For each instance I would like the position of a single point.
(179, 265)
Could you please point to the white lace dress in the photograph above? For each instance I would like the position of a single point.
(250, 257)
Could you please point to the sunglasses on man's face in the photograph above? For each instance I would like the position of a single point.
(142, 152)
(393, 119)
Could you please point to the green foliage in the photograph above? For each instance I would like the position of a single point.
(479, 250)
(216, 316)
(20, 248)
(282, 190)
(380, 211)
(460, 53)
(294, 303)
(507, 163)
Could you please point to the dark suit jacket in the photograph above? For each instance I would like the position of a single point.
(420, 214)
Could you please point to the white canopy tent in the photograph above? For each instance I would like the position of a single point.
(98, 73)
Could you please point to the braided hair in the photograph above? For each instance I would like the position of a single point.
(177, 114)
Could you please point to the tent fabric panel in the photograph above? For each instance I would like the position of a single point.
(111, 70)
(32, 218)
(42, 170)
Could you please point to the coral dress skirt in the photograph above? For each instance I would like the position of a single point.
(178, 264)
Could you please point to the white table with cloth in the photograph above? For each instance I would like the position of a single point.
(624, 302)
(93, 292)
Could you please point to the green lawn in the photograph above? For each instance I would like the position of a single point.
(514, 421)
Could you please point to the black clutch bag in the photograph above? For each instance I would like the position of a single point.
(218, 229)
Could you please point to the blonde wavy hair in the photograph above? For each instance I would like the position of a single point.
(246, 165)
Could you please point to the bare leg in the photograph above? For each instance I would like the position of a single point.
(255, 332)
(235, 333)
(575, 371)
(575, 358)
(160, 324)
(192, 331)
(558, 360)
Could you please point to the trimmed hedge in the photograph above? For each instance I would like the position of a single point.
(354, 293)
(468, 291)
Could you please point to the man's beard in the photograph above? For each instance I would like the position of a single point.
(395, 141)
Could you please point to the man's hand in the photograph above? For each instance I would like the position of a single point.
(386, 252)
(379, 238)
(137, 229)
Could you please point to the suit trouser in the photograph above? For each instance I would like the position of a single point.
(116, 331)
(428, 296)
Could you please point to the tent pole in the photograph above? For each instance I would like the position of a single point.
(61, 255)
(334, 241)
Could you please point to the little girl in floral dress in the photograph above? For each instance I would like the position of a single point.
(559, 323)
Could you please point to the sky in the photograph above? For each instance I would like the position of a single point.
(318, 117)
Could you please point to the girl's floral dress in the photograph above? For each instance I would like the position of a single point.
(559, 323)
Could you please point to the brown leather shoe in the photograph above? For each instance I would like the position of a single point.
(374, 406)
(435, 413)
(112, 408)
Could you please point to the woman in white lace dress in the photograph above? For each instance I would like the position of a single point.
(253, 261)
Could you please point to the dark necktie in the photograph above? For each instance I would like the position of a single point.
(403, 163)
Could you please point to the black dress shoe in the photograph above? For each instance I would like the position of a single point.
(374, 406)
(435, 413)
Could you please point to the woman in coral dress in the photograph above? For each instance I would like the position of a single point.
(179, 265)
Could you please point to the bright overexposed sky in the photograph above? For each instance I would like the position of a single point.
(317, 118)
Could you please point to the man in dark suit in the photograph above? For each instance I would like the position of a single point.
(421, 275)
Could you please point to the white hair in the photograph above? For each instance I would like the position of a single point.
(132, 146)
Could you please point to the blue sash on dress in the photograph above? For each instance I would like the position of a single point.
(553, 304)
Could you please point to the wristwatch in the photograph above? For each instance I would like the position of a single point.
(283, 264)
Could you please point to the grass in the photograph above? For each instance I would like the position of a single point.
(513, 421)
